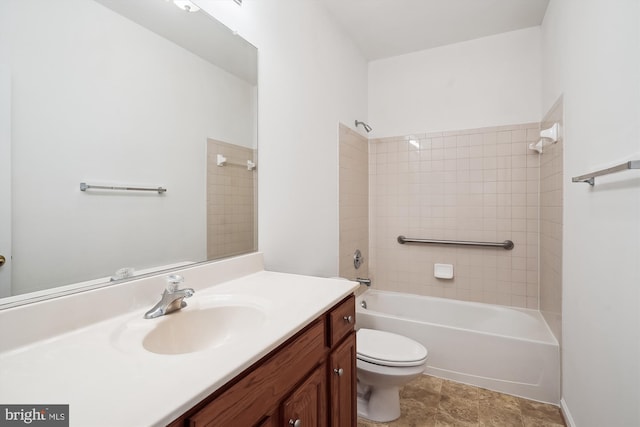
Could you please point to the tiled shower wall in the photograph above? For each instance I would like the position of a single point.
(477, 184)
(354, 202)
(231, 201)
(551, 206)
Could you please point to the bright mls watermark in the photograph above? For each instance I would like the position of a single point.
(34, 415)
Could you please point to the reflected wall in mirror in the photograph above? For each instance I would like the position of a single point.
(117, 93)
(231, 199)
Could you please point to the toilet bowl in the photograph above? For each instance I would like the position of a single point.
(385, 362)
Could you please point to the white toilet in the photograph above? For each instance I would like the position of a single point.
(385, 362)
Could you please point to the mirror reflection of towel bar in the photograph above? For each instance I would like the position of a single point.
(223, 161)
(84, 187)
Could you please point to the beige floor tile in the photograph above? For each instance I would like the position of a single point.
(416, 413)
(434, 402)
(494, 400)
(541, 411)
(535, 422)
(446, 423)
(457, 410)
(450, 388)
(424, 390)
(499, 417)
(366, 423)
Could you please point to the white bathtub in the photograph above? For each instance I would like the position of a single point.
(505, 349)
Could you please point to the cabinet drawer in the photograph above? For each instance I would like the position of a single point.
(342, 320)
(248, 401)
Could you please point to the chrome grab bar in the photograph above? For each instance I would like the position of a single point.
(507, 244)
(589, 178)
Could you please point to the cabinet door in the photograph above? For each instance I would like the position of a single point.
(342, 371)
(307, 405)
(269, 421)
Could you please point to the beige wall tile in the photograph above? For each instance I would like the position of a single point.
(231, 201)
(473, 184)
(550, 224)
(354, 196)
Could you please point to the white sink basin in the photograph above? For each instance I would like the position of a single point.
(202, 325)
(189, 331)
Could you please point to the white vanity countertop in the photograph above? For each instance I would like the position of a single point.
(109, 379)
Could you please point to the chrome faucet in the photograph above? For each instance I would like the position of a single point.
(363, 281)
(172, 298)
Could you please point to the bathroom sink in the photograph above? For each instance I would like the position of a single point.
(190, 331)
(204, 325)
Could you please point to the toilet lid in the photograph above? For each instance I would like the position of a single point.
(388, 349)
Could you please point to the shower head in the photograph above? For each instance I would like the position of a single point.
(364, 125)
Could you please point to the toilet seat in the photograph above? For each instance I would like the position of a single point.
(388, 349)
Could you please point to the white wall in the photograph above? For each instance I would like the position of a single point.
(5, 179)
(484, 82)
(97, 98)
(591, 55)
(310, 77)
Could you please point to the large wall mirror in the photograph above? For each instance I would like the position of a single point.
(121, 93)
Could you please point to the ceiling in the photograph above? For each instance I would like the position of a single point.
(385, 28)
(196, 32)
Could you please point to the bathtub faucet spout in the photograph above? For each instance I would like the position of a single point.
(363, 281)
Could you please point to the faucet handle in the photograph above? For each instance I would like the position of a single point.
(173, 281)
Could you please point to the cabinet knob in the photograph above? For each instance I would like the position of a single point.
(296, 423)
(338, 371)
(348, 319)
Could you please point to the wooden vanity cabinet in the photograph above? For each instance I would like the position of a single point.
(307, 404)
(309, 381)
(342, 365)
(342, 370)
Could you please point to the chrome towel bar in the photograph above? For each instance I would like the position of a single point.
(507, 244)
(223, 161)
(589, 178)
(84, 187)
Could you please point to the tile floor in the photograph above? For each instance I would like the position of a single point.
(434, 402)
